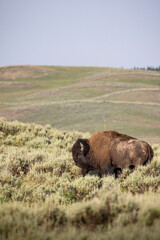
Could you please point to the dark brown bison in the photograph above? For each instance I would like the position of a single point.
(109, 152)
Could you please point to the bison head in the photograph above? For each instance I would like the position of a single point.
(79, 152)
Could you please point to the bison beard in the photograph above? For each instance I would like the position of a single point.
(109, 152)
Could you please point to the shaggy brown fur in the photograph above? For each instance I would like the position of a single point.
(109, 151)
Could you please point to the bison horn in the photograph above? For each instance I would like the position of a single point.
(82, 147)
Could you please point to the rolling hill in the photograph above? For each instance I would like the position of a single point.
(83, 98)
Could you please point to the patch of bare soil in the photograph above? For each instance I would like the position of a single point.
(16, 72)
(155, 95)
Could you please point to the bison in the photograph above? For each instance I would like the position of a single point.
(109, 152)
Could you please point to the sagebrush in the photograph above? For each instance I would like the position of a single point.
(44, 196)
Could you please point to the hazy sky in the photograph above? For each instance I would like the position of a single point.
(112, 33)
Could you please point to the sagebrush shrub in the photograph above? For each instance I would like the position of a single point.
(42, 190)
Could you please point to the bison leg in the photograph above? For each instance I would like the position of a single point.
(84, 171)
(132, 167)
(117, 172)
(109, 170)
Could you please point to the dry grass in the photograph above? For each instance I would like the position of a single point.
(44, 196)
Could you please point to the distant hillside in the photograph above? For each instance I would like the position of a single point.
(83, 98)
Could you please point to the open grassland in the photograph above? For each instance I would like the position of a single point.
(44, 196)
(83, 98)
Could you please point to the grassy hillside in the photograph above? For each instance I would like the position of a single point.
(83, 98)
(44, 196)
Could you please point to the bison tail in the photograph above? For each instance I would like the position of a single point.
(150, 155)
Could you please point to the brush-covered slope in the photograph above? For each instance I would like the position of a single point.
(83, 98)
(44, 196)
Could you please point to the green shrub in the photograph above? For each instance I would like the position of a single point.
(151, 215)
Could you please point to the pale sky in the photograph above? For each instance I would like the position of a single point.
(110, 33)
